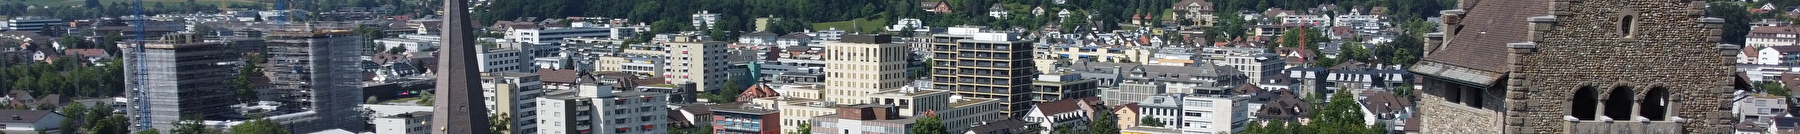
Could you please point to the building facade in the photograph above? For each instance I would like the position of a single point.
(181, 78)
(862, 65)
(405, 123)
(321, 71)
(864, 119)
(1062, 86)
(1207, 114)
(601, 110)
(513, 94)
(1550, 70)
(745, 119)
(984, 65)
(692, 61)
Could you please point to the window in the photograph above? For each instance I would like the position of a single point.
(1618, 103)
(1625, 26)
(1656, 104)
(1584, 103)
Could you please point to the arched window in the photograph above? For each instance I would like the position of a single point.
(1618, 103)
(1625, 26)
(1584, 103)
(1655, 105)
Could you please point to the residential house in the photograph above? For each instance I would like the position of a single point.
(794, 39)
(1384, 108)
(1767, 36)
(997, 10)
(1128, 115)
(759, 38)
(1760, 107)
(936, 7)
(1779, 55)
(1200, 12)
(1072, 113)
(30, 121)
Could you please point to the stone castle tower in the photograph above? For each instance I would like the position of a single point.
(1577, 66)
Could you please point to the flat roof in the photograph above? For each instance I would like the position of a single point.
(968, 101)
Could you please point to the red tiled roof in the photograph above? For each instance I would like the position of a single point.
(1481, 42)
(86, 52)
(558, 76)
(1068, 105)
(1750, 52)
(761, 90)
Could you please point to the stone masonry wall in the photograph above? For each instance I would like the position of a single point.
(1588, 45)
(1434, 109)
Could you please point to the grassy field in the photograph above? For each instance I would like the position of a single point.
(146, 2)
(865, 24)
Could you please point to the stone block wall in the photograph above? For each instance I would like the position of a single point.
(1635, 45)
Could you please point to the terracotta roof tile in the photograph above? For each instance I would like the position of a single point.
(1481, 42)
(558, 76)
(761, 90)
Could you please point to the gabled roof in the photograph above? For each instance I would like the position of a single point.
(760, 90)
(1749, 53)
(558, 75)
(1132, 107)
(86, 52)
(796, 35)
(1479, 47)
(1384, 103)
(1785, 49)
(760, 34)
(23, 116)
(1004, 126)
(1062, 106)
(1184, 3)
(1786, 122)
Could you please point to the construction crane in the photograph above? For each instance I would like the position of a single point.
(138, 70)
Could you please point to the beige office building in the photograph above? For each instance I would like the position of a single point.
(861, 65)
(691, 60)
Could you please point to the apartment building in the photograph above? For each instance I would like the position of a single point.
(978, 64)
(861, 65)
(691, 60)
(513, 94)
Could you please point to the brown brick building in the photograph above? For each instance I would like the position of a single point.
(1577, 66)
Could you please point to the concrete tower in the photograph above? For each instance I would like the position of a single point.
(459, 106)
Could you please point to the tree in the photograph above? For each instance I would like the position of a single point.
(72, 42)
(1737, 20)
(929, 125)
(1151, 121)
(259, 126)
(371, 100)
(192, 125)
(1339, 114)
(114, 124)
(805, 128)
(151, 131)
(397, 50)
(71, 124)
(1773, 88)
(500, 123)
(1351, 51)
(1104, 123)
(91, 4)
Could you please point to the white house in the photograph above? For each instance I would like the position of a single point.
(997, 11)
(405, 123)
(1778, 55)
(1073, 113)
(1214, 113)
(29, 120)
(904, 23)
(760, 38)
